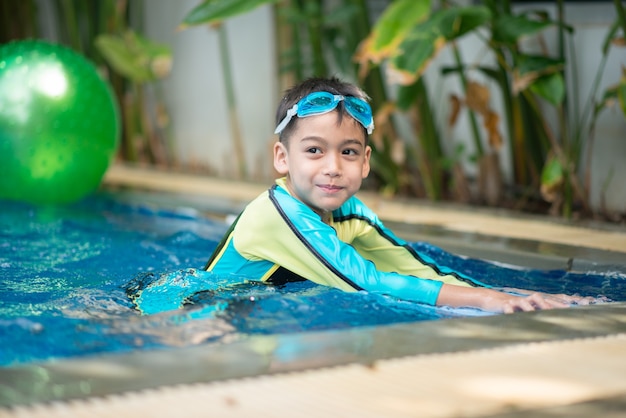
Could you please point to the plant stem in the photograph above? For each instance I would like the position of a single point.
(314, 13)
(472, 115)
(591, 102)
(233, 114)
(373, 82)
(285, 40)
(429, 138)
(71, 24)
(621, 14)
(563, 109)
(572, 185)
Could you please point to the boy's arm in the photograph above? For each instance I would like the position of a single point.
(374, 241)
(390, 253)
(497, 301)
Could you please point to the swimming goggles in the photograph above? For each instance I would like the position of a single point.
(321, 102)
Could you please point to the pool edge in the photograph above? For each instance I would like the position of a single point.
(97, 376)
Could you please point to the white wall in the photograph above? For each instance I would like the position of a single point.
(195, 93)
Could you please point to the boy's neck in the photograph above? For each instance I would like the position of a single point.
(326, 217)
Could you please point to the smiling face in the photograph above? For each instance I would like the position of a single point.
(325, 161)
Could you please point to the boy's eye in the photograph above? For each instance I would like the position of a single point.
(313, 150)
(350, 152)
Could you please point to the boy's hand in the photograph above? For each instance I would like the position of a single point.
(539, 300)
(500, 301)
(532, 302)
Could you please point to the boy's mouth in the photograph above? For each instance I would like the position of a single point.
(330, 188)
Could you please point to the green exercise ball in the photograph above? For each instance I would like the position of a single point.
(59, 123)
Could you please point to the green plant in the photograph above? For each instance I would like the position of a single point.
(409, 35)
(140, 63)
(582, 127)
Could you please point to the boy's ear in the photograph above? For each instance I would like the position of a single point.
(366, 164)
(280, 158)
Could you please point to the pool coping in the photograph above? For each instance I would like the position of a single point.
(254, 356)
(467, 219)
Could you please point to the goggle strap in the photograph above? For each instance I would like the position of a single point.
(283, 123)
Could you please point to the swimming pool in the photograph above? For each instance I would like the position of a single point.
(67, 275)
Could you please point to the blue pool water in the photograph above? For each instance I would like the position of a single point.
(67, 275)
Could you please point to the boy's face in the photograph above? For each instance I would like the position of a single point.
(324, 162)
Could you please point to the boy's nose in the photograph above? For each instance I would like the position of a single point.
(333, 165)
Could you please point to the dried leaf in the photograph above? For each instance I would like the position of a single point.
(491, 121)
(478, 97)
(381, 120)
(521, 82)
(455, 105)
(396, 76)
(161, 66)
(619, 42)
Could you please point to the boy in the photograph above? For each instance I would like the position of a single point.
(309, 225)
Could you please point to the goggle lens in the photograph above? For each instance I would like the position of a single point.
(323, 102)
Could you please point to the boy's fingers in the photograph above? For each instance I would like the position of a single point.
(539, 301)
(519, 304)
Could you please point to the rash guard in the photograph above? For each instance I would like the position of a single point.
(277, 239)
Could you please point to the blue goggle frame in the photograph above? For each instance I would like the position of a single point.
(321, 102)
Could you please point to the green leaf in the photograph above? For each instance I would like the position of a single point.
(447, 70)
(552, 173)
(543, 76)
(215, 11)
(458, 21)
(407, 96)
(613, 95)
(509, 29)
(134, 57)
(425, 39)
(396, 22)
(492, 73)
(551, 88)
(148, 47)
(417, 50)
(539, 64)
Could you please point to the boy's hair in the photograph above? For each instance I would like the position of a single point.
(332, 85)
